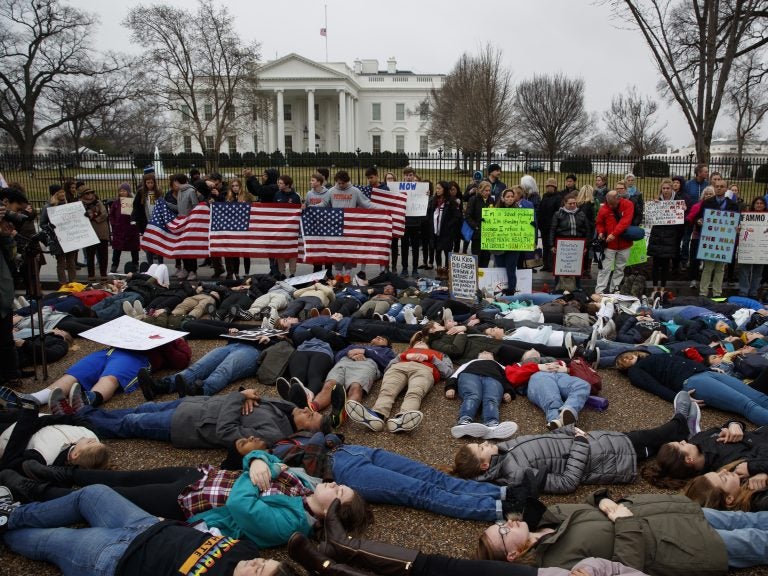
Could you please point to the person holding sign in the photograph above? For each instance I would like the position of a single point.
(125, 233)
(510, 198)
(664, 243)
(713, 271)
(750, 275)
(474, 217)
(568, 222)
(66, 264)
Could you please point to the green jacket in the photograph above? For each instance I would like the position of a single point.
(667, 535)
(463, 347)
(266, 521)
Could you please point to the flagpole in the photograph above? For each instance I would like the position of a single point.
(326, 33)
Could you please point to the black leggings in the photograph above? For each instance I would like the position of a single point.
(411, 240)
(438, 565)
(311, 368)
(209, 329)
(660, 271)
(75, 325)
(346, 306)
(648, 442)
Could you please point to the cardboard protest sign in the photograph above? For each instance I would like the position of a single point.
(126, 205)
(72, 227)
(131, 334)
(506, 229)
(462, 276)
(664, 212)
(718, 235)
(306, 278)
(569, 256)
(418, 196)
(493, 280)
(753, 238)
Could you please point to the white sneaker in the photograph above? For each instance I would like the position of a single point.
(138, 308)
(501, 431)
(128, 309)
(693, 284)
(410, 317)
(405, 421)
(23, 302)
(447, 315)
(473, 429)
(192, 276)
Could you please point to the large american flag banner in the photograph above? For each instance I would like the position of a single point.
(255, 230)
(354, 235)
(173, 236)
(393, 202)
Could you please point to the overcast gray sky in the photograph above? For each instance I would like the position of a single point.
(577, 37)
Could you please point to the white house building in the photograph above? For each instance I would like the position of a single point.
(330, 107)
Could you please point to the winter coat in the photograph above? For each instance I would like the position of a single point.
(550, 204)
(753, 448)
(462, 347)
(667, 535)
(663, 374)
(723, 203)
(567, 225)
(449, 219)
(562, 462)
(289, 196)
(125, 236)
(474, 214)
(99, 220)
(664, 241)
(608, 224)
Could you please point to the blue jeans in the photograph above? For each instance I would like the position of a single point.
(509, 261)
(728, 393)
(535, 298)
(684, 312)
(553, 391)
(37, 530)
(151, 420)
(112, 306)
(219, 368)
(387, 478)
(475, 390)
(745, 535)
(750, 278)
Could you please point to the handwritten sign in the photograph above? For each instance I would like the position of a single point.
(72, 227)
(638, 254)
(306, 278)
(418, 196)
(718, 235)
(493, 280)
(664, 212)
(126, 205)
(505, 229)
(253, 335)
(753, 238)
(131, 334)
(569, 256)
(462, 276)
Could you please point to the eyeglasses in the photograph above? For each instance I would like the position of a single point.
(504, 529)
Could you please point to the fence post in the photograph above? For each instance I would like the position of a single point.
(690, 165)
(133, 174)
(59, 164)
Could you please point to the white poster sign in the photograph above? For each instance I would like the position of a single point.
(131, 334)
(418, 196)
(753, 238)
(306, 278)
(126, 206)
(494, 280)
(462, 276)
(569, 256)
(664, 212)
(72, 227)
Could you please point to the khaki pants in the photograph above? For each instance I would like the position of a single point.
(372, 307)
(619, 257)
(712, 273)
(193, 305)
(417, 377)
(275, 300)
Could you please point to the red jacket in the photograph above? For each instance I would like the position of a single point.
(429, 363)
(607, 224)
(519, 374)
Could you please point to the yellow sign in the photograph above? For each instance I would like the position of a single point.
(507, 229)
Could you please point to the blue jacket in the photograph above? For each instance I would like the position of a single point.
(300, 330)
(692, 192)
(316, 345)
(382, 355)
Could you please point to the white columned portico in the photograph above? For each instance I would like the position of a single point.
(356, 116)
(342, 121)
(310, 120)
(350, 122)
(280, 113)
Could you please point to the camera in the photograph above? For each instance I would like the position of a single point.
(16, 218)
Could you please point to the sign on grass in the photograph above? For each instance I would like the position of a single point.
(131, 334)
(493, 280)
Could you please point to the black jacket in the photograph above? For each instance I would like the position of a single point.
(566, 225)
(549, 206)
(663, 374)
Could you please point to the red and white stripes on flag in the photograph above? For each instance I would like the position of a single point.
(257, 230)
(353, 235)
(393, 202)
(180, 236)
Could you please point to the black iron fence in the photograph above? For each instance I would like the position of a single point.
(104, 173)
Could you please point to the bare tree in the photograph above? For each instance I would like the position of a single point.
(748, 97)
(473, 109)
(550, 113)
(694, 44)
(631, 121)
(206, 76)
(43, 49)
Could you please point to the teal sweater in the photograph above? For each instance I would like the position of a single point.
(266, 521)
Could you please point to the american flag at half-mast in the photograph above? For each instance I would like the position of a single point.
(255, 230)
(354, 235)
(173, 236)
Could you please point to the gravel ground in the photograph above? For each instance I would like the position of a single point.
(432, 443)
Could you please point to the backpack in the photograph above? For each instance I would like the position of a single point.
(274, 362)
(633, 285)
(580, 368)
(577, 320)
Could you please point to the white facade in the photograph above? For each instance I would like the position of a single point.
(345, 108)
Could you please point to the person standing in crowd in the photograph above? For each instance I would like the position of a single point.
(531, 189)
(568, 222)
(613, 219)
(474, 217)
(750, 275)
(125, 234)
(589, 205)
(412, 236)
(636, 199)
(497, 186)
(663, 244)
(713, 272)
(344, 195)
(186, 199)
(11, 200)
(601, 188)
(97, 214)
(692, 192)
(236, 193)
(550, 204)
(143, 204)
(286, 195)
(694, 220)
(509, 259)
(444, 216)
(66, 270)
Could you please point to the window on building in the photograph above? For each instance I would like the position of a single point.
(376, 144)
(255, 142)
(287, 112)
(254, 112)
(209, 144)
(288, 143)
(232, 144)
(208, 111)
(376, 111)
(317, 112)
(185, 115)
(187, 144)
(399, 112)
(423, 145)
(231, 114)
(400, 143)
(424, 111)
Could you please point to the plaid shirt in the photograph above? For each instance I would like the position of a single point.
(212, 490)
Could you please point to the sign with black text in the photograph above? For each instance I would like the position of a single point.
(462, 276)
(569, 256)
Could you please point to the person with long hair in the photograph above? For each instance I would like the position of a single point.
(569, 222)
(147, 195)
(474, 216)
(664, 244)
(443, 215)
(236, 193)
(97, 215)
(731, 489)
(509, 259)
(66, 263)
(125, 234)
(750, 275)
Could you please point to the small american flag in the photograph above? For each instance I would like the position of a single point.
(255, 230)
(354, 235)
(174, 236)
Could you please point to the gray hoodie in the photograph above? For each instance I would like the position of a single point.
(187, 199)
(351, 197)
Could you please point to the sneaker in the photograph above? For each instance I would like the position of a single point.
(501, 431)
(339, 278)
(568, 343)
(6, 497)
(410, 317)
(5, 515)
(12, 399)
(191, 276)
(347, 278)
(388, 318)
(694, 419)
(405, 421)
(325, 312)
(58, 405)
(404, 273)
(182, 274)
(682, 403)
(553, 425)
(147, 384)
(138, 308)
(338, 405)
(297, 395)
(180, 385)
(596, 360)
(693, 284)
(377, 316)
(447, 315)
(266, 323)
(307, 391)
(417, 311)
(473, 429)
(283, 387)
(128, 309)
(362, 415)
(77, 400)
(567, 416)
(23, 302)
(314, 313)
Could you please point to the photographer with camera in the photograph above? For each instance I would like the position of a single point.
(12, 205)
(97, 214)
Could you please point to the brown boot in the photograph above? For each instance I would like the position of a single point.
(301, 550)
(377, 557)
